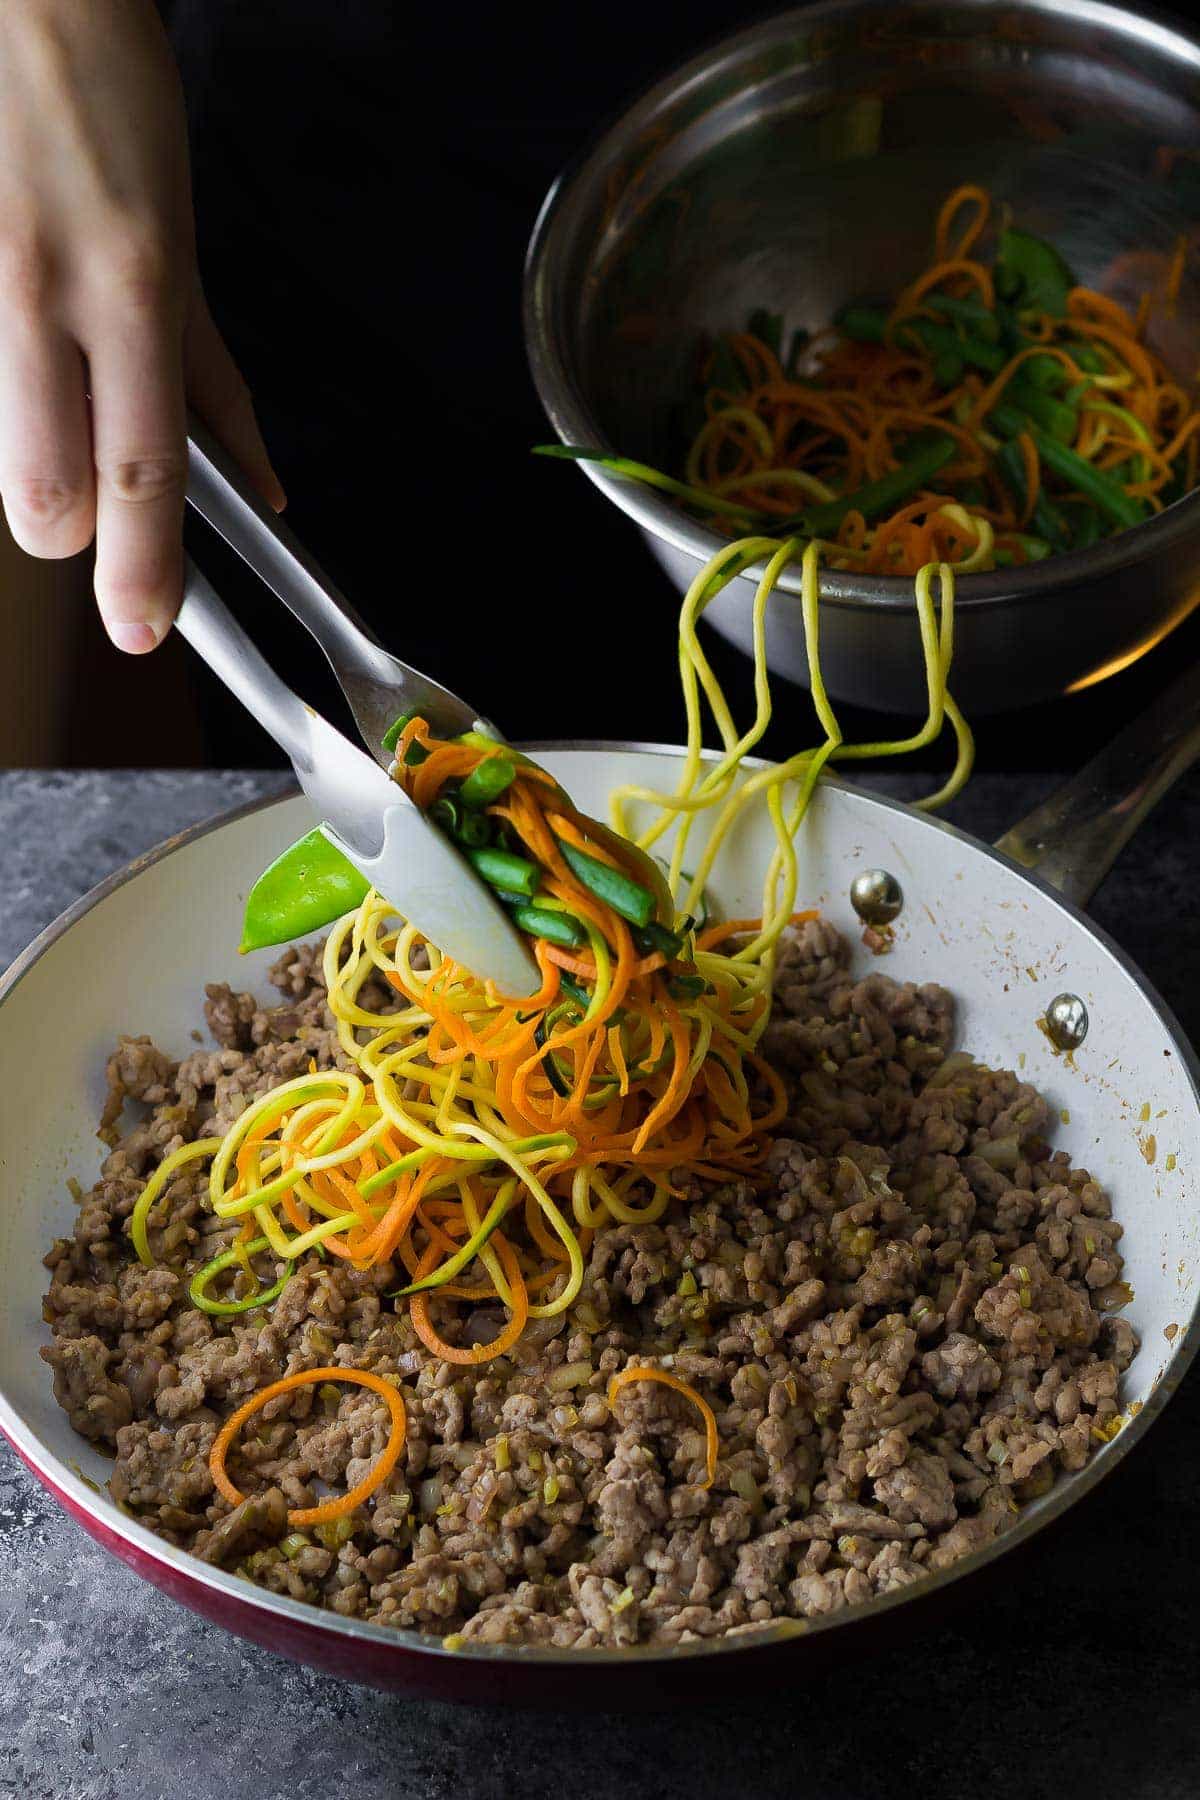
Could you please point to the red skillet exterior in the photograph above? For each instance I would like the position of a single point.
(629, 1682)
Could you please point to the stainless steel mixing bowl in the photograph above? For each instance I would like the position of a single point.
(799, 165)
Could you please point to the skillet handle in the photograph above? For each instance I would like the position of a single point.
(1073, 839)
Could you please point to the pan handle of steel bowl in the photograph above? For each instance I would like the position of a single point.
(1073, 839)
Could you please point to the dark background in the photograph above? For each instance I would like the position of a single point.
(364, 192)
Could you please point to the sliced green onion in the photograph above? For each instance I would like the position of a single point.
(612, 886)
(333, 1533)
(470, 829)
(1043, 372)
(484, 740)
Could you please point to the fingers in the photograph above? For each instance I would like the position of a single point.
(122, 473)
(134, 345)
(45, 439)
(222, 399)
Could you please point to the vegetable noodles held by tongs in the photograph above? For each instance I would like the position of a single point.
(996, 412)
(636, 1057)
(470, 1143)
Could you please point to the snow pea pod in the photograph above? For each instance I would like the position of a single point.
(306, 888)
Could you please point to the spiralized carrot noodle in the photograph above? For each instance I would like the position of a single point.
(643, 1372)
(967, 195)
(347, 1503)
(781, 442)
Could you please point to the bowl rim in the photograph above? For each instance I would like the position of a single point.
(96, 1506)
(555, 377)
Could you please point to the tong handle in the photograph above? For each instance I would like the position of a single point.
(213, 632)
(376, 684)
(220, 493)
(344, 785)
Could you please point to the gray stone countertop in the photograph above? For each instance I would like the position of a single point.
(1075, 1675)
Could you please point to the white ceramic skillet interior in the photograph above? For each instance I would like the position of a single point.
(134, 956)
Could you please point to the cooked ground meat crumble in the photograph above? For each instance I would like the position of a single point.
(905, 1336)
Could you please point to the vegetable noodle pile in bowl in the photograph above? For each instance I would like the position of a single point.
(878, 275)
(994, 414)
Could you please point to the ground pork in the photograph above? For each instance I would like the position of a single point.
(905, 1332)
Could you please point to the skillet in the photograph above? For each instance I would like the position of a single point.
(1024, 964)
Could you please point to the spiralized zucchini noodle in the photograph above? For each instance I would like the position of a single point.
(477, 1142)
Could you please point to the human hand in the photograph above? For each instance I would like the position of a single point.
(105, 335)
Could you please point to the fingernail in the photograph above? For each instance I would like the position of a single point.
(133, 635)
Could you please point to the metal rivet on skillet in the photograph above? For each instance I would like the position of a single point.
(1066, 1021)
(876, 897)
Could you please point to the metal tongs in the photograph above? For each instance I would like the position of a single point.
(363, 812)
